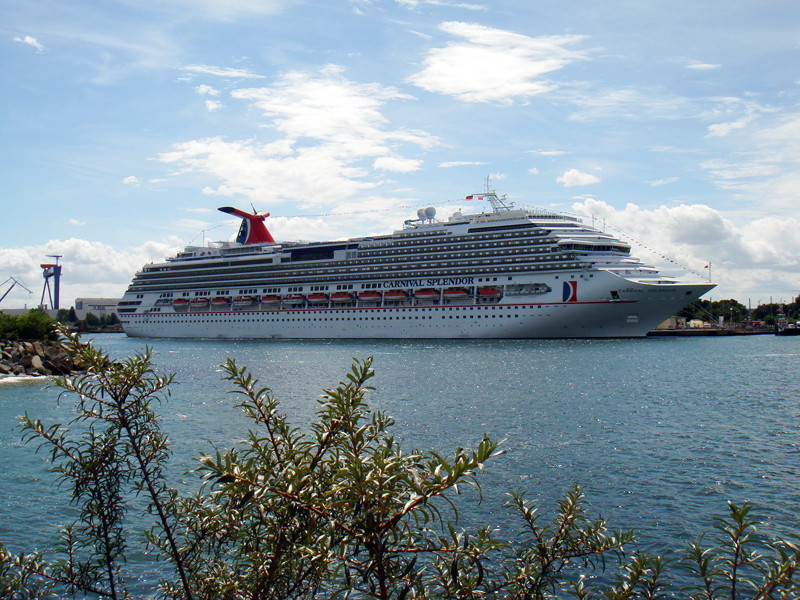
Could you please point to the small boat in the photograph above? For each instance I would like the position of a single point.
(427, 294)
(272, 299)
(452, 293)
(370, 296)
(180, 304)
(199, 302)
(395, 295)
(342, 297)
(220, 302)
(783, 327)
(243, 301)
(317, 298)
(293, 299)
(489, 292)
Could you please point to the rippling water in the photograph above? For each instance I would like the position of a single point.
(661, 432)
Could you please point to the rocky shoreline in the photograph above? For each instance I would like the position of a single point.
(35, 359)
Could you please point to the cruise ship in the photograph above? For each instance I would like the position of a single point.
(503, 273)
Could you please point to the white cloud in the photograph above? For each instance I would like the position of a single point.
(397, 164)
(494, 65)
(763, 165)
(30, 41)
(547, 152)
(698, 66)
(575, 178)
(461, 163)
(212, 105)
(332, 132)
(206, 90)
(723, 129)
(131, 180)
(630, 103)
(665, 181)
(222, 72)
(77, 222)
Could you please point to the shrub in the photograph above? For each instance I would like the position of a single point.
(34, 325)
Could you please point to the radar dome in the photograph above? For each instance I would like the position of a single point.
(421, 214)
(430, 212)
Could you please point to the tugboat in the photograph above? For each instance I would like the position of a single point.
(783, 327)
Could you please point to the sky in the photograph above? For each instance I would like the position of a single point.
(125, 124)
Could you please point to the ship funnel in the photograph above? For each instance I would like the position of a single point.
(253, 230)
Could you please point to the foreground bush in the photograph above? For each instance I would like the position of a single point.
(337, 510)
(34, 325)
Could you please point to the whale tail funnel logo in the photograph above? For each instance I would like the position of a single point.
(253, 230)
(570, 291)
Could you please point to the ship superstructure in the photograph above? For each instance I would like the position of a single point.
(506, 273)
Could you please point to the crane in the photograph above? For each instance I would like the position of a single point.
(52, 270)
(11, 287)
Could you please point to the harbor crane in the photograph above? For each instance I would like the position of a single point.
(14, 282)
(52, 271)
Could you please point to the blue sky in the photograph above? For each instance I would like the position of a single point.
(125, 124)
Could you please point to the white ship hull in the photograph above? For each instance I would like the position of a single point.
(639, 309)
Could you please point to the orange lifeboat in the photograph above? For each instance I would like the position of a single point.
(453, 293)
(427, 294)
(180, 304)
(342, 297)
(370, 296)
(489, 292)
(396, 295)
(243, 301)
(199, 302)
(317, 298)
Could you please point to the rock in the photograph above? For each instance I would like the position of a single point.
(36, 358)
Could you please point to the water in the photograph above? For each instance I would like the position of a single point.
(661, 432)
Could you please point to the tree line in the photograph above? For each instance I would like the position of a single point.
(735, 311)
(91, 321)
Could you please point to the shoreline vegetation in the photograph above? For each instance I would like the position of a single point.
(30, 346)
(336, 509)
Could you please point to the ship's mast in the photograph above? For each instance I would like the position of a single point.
(498, 202)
